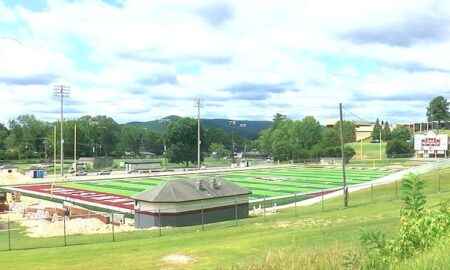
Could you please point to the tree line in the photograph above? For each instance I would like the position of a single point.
(27, 137)
(289, 139)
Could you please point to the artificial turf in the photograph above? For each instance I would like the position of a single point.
(262, 183)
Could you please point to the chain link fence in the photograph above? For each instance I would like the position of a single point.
(25, 227)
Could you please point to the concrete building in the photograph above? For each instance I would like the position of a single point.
(363, 129)
(142, 166)
(96, 162)
(8, 168)
(190, 202)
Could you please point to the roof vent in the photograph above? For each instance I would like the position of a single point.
(199, 185)
(213, 184)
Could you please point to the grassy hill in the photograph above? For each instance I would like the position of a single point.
(250, 131)
(369, 150)
(317, 239)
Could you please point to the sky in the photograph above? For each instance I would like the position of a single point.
(143, 60)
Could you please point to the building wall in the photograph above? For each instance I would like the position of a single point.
(361, 135)
(142, 166)
(178, 207)
(197, 217)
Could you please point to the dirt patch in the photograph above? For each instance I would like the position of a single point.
(177, 259)
(306, 222)
(39, 224)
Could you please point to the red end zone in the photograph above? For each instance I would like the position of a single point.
(88, 197)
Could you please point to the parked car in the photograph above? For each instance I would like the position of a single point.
(104, 172)
(81, 173)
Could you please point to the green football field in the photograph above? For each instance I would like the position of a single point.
(263, 183)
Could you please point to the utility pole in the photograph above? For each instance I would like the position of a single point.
(344, 179)
(198, 104)
(380, 144)
(232, 123)
(361, 148)
(54, 150)
(62, 91)
(75, 149)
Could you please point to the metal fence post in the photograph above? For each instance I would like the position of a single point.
(396, 189)
(9, 233)
(264, 208)
(159, 221)
(322, 201)
(203, 220)
(295, 204)
(112, 223)
(236, 211)
(372, 192)
(439, 183)
(65, 234)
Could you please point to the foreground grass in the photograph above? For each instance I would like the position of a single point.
(322, 238)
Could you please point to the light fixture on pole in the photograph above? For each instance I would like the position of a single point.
(62, 91)
(232, 123)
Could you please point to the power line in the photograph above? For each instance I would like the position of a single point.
(355, 115)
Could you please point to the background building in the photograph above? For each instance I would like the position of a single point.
(138, 166)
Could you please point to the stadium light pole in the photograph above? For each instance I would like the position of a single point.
(75, 149)
(164, 121)
(62, 91)
(232, 123)
(198, 104)
(344, 179)
(54, 150)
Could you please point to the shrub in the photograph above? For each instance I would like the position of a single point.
(419, 229)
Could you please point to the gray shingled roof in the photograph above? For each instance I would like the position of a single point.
(8, 166)
(186, 190)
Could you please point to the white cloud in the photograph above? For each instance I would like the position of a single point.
(151, 58)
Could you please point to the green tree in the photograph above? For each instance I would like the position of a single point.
(376, 131)
(219, 150)
(181, 139)
(401, 133)
(151, 141)
(330, 137)
(306, 133)
(349, 131)
(438, 110)
(401, 144)
(4, 132)
(266, 139)
(27, 137)
(335, 151)
(386, 134)
(278, 119)
(130, 139)
(281, 148)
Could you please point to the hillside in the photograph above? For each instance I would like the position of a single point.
(250, 131)
(319, 239)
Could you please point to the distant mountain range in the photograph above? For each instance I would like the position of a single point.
(248, 129)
